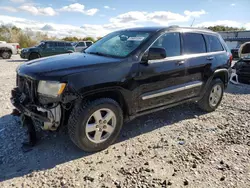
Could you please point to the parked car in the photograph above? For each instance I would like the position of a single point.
(47, 48)
(7, 50)
(235, 52)
(244, 50)
(241, 71)
(124, 75)
(16, 46)
(82, 45)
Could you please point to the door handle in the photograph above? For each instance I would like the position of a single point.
(180, 62)
(210, 58)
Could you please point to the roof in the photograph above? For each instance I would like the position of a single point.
(55, 41)
(158, 28)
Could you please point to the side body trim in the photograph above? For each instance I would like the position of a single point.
(171, 90)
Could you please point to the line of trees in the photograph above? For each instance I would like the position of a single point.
(27, 38)
(218, 28)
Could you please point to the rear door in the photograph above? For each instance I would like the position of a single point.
(198, 60)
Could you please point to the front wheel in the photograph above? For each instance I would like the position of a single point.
(95, 125)
(212, 98)
(34, 56)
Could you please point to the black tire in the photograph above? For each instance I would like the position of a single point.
(34, 56)
(204, 103)
(6, 54)
(80, 116)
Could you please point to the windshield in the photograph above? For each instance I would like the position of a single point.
(118, 44)
(41, 44)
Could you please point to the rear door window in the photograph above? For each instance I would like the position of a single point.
(170, 42)
(52, 44)
(61, 44)
(193, 43)
(213, 43)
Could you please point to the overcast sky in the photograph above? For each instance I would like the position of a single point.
(99, 17)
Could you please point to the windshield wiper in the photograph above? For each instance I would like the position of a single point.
(99, 53)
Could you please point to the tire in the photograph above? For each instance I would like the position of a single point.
(34, 56)
(6, 55)
(206, 103)
(83, 115)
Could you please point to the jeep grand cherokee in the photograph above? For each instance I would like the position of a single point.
(126, 74)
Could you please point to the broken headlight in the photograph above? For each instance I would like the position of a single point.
(51, 88)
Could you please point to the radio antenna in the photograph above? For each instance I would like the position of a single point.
(192, 22)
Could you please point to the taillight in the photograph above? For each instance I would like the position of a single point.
(17, 46)
(231, 58)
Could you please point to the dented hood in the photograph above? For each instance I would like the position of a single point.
(53, 68)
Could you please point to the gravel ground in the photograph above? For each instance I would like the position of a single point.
(178, 147)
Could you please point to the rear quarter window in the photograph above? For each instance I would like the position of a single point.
(213, 43)
(193, 43)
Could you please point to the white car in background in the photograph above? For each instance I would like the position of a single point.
(82, 45)
(8, 49)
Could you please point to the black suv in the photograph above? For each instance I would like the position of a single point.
(47, 48)
(126, 74)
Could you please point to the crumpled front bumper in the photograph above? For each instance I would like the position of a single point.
(18, 100)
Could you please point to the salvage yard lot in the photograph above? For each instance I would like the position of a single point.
(178, 147)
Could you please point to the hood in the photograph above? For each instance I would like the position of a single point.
(31, 48)
(55, 67)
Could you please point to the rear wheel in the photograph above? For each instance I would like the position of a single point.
(6, 55)
(95, 125)
(212, 98)
(34, 56)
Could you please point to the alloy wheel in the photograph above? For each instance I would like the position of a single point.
(100, 125)
(215, 95)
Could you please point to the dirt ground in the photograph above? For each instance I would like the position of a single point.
(178, 147)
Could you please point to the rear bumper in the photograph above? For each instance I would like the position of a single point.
(18, 101)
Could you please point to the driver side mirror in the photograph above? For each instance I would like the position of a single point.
(156, 53)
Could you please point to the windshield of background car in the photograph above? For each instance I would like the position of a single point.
(41, 44)
(118, 44)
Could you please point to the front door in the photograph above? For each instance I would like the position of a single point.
(50, 49)
(163, 82)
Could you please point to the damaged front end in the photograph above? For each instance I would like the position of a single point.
(35, 99)
(241, 71)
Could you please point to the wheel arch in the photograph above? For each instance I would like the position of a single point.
(35, 52)
(3, 49)
(222, 74)
(113, 93)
